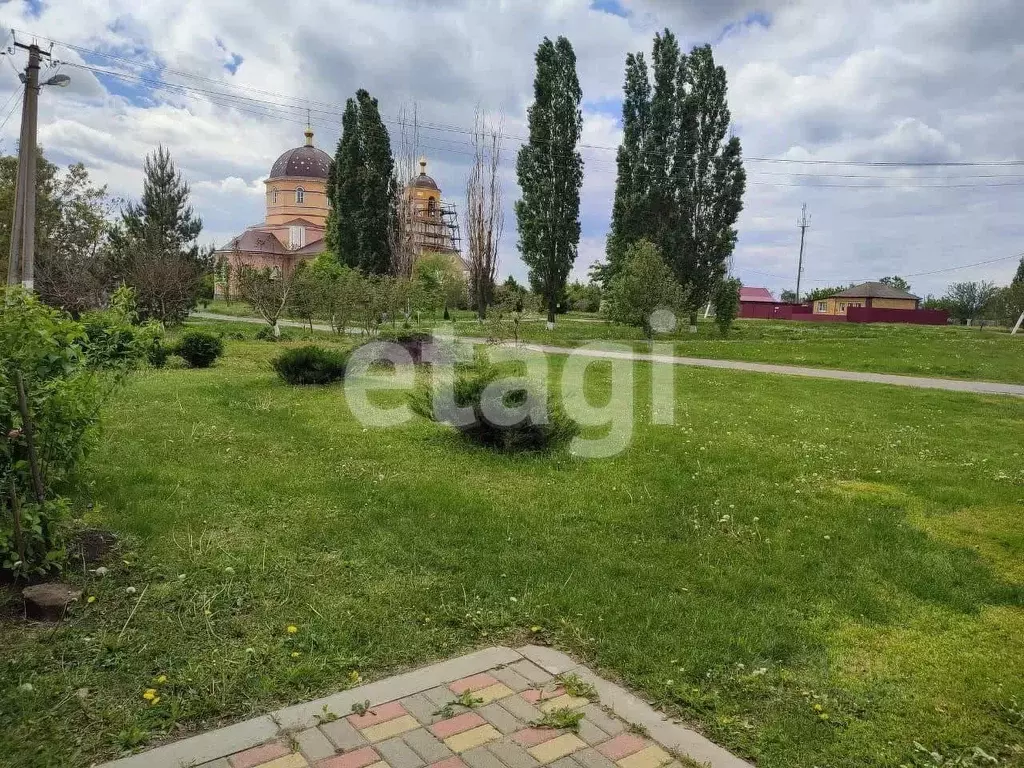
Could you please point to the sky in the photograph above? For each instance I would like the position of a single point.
(865, 81)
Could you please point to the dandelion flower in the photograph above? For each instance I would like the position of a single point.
(295, 654)
(26, 687)
(91, 599)
(208, 612)
(155, 701)
(150, 694)
(535, 628)
(161, 680)
(130, 590)
(292, 629)
(229, 570)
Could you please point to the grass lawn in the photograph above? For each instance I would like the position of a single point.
(955, 352)
(814, 573)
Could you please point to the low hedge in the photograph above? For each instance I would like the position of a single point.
(311, 364)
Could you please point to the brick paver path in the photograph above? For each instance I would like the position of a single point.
(491, 709)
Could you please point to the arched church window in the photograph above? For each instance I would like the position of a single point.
(300, 195)
(431, 206)
(275, 197)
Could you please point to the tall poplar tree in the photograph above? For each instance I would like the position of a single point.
(710, 179)
(630, 211)
(1018, 279)
(550, 172)
(362, 189)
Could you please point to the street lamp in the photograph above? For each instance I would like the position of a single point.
(61, 81)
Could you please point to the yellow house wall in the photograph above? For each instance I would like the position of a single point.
(314, 207)
(835, 306)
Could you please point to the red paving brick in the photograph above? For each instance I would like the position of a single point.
(622, 745)
(458, 724)
(258, 755)
(358, 759)
(473, 683)
(380, 714)
(531, 737)
(533, 695)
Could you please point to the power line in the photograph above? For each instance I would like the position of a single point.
(336, 109)
(840, 281)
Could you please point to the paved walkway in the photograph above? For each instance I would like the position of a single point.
(919, 382)
(484, 710)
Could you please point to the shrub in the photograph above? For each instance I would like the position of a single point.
(529, 433)
(115, 339)
(200, 349)
(158, 354)
(727, 304)
(644, 285)
(311, 365)
(64, 391)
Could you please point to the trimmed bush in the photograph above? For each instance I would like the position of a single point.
(311, 365)
(200, 349)
(416, 343)
(527, 434)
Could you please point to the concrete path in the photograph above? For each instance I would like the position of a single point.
(478, 711)
(919, 382)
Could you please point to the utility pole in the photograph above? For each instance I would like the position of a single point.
(800, 267)
(21, 268)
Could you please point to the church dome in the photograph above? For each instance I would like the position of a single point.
(306, 161)
(423, 181)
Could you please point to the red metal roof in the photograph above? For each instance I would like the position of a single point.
(757, 295)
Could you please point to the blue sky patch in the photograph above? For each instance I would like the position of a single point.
(753, 19)
(614, 7)
(35, 8)
(232, 64)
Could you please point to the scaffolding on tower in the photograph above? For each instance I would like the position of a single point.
(436, 228)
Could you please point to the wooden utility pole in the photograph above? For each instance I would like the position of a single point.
(21, 268)
(800, 266)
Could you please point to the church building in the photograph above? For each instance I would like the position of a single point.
(296, 218)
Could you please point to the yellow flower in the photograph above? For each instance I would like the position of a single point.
(161, 680)
(150, 694)
(155, 701)
(354, 677)
(295, 654)
(292, 629)
(535, 628)
(208, 612)
(91, 599)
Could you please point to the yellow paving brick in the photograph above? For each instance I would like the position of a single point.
(560, 746)
(379, 764)
(652, 757)
(474, 737)
(565, 701)
(390, 728)
(493, 692)
(288, 761)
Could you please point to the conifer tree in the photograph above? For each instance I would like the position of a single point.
(1018, 279)
(154, 248)
(550, 172)
(362, 189)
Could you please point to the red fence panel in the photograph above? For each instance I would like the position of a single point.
(913, 316)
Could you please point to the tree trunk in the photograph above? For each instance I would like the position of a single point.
(552, 305)
(693, 321)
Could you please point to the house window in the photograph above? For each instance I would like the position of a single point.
(300, 195)
(296, 237)
(822, 306)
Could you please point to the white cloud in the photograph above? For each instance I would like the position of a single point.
(872, 80)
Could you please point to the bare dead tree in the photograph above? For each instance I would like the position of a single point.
(403, 244)
(485, 217)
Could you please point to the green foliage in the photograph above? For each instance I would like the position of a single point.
(154, 247)
(440, 283)
(1018, 279)
(562, 718)
(645, 283)
(680, 179)
(543, 425)
(726, 301)
(266, 333)
(65, 378)
(818, 294)
(897, 282)
(362, 189)
(576, 686)
(969, 300)
(116, 340)
(584, 297)
(200, 349)
(550, 173)
(311, 365)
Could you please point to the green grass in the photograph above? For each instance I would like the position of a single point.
(941, 351)
(790, 549)
(956, 352)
